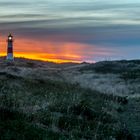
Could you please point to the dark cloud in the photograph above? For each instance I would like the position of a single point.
(121, 34)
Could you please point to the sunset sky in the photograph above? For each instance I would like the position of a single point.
(66, 30)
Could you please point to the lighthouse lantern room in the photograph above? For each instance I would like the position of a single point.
(10, 48)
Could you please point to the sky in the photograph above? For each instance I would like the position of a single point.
(71, 31)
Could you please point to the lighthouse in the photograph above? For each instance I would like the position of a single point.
(10, 48)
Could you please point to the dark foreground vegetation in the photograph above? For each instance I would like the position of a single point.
(127, 69)
(33, 109)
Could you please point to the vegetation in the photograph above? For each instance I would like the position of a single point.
(38, 104)
(37, 109)
(134, 74)
(126, 69)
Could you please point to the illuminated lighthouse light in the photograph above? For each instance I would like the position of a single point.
(10, 38)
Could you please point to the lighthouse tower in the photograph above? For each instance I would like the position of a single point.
(10, 48)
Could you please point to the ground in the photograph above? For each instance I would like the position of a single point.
(44, 100)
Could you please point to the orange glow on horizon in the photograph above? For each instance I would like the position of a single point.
(37, 57)
(52, 51)
(31, 50)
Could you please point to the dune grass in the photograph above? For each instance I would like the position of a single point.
(35, 109)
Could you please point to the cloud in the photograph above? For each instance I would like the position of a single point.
(106, 24)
